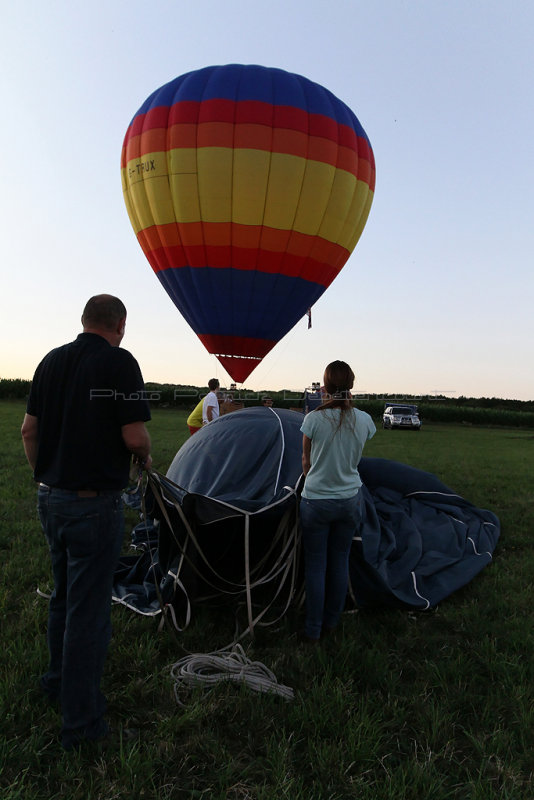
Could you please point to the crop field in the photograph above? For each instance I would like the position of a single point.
(393, 705)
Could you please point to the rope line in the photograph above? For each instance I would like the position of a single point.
(207, 669)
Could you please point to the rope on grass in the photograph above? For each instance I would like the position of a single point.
(207, 669)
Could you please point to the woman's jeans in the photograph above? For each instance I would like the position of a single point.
(328, 527)
(84, 537)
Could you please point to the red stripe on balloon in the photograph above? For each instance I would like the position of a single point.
(308, 269)
(238, 368)
(244, 248)
(236, 345)
(251, 112)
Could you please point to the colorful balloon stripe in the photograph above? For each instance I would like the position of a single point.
(243, 112)
(255, 83)
(254, 237)
(161, 128)
(236, 345)
(235, 137)
(205, 295)
(245, 248)
(229, 258)
(245, 187)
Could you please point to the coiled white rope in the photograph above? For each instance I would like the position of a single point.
(207, 669)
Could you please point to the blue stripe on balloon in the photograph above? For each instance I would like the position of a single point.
(263, 305)
(238, 82)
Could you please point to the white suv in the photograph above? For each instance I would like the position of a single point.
(401, 416)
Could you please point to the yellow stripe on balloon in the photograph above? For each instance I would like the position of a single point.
(184, 191)
(152, 202)
(215, 183)
(182, 161)
(284, 190)
(363, 198)
(251, 179)
(316, 188)
(150, 165)
(141, 216)
(248, 187)
(147, 184)
(132, 214)
(338, 207)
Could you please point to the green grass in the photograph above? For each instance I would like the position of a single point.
(394, 705)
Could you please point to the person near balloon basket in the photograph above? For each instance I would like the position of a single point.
(85, 419)
(210, 404)
(334, 436)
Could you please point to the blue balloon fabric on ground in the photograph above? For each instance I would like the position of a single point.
(420, 541)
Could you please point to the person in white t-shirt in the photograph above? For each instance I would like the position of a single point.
(210, 405)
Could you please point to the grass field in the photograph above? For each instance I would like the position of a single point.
(394, 705)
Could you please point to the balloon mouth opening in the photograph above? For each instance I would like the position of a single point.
(238, 367)
(229, 355)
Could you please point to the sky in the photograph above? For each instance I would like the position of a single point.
(437, 296)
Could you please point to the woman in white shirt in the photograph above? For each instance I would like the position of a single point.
(334, 435)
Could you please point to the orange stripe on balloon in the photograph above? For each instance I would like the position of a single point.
(214, 134)
(247, 112)
(159, 236)
(182, 135)
(365, 172)
(322, 150)
(276, 240)
(152, 141)
(266, 139)
(198, 234)
(340, 157)
(249, 135)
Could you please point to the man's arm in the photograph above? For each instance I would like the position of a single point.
(136, 438)
(209, 413)
(30, 438)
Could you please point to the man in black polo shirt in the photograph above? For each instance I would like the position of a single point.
(84, 420)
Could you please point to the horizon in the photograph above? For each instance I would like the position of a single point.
(246, 393)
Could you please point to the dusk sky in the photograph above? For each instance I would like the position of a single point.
(437, 296)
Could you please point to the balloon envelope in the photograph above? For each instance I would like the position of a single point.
(248, 188)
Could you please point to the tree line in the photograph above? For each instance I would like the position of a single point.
(467, 410)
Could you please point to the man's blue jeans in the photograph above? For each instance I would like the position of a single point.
(328, 527)
(84, 537)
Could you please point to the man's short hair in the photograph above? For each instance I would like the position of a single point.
(103, 311)
(213, 384)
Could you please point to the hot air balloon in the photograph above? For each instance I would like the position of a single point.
(247, 187)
